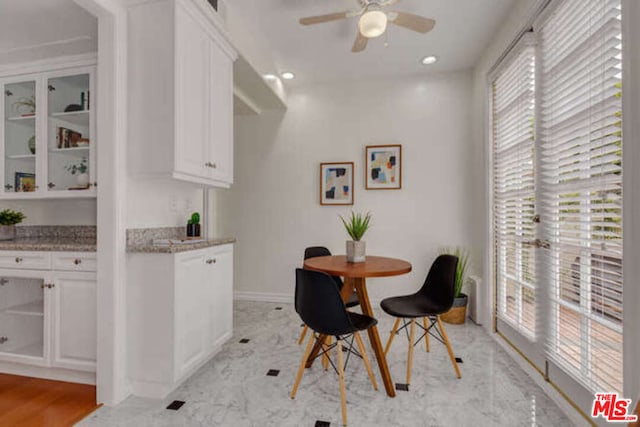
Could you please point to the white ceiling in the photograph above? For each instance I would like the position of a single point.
(323, 52)
(33, 29)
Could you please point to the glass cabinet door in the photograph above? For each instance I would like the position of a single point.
(20, 137)
(22, 316)
(69, 133)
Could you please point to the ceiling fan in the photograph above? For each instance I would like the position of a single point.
(373, 20)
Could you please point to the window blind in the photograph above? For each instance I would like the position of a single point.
(514, 187)
(580, 195)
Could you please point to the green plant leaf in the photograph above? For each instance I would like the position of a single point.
(356, 225)
(9, 217)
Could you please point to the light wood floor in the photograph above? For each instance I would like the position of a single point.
(26, 402)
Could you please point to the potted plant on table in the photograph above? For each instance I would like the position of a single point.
(356, 225)
(458, 312)
(8, 221)
(193, 225)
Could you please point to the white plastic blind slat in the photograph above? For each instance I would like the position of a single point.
(513, 104)
(580, 149)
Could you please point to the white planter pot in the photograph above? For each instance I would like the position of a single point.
(7, 232)
(83, 179)
(356, 251)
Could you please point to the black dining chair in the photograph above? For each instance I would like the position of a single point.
(317, 251)
(320, 306)
(434, 298)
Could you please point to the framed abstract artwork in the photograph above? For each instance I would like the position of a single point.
(336, 183)
(383, 167)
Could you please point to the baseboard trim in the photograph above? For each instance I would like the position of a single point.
(263, 297)
(56, 374)
(551, 392)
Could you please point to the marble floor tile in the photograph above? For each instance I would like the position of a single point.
(233, 388)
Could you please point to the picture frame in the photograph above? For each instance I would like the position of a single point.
(383, 167)
(336, 184)
(25, 182)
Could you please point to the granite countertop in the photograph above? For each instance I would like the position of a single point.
(140, 240)
(177, 247)
(54, 244)
(52, 238)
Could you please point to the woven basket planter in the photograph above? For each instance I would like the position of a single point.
(458, 312)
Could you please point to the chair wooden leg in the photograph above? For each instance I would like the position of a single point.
(302, 334)
(307, 351)
(426, 332)
(327, 355)
(412, 333)
(393, 334)
(343, 389)
(365, 359)
(448, 344)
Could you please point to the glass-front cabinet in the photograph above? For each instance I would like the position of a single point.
(22, 310)
(48, 135)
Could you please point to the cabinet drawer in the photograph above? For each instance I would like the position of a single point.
(23, 259)
(74, 261)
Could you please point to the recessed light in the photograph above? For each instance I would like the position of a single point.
(428, 60)
(287, 75)
(269, 77)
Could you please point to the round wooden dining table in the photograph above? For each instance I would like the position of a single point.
(355, 275)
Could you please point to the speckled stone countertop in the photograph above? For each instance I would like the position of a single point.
(139, 240)
(52, 238)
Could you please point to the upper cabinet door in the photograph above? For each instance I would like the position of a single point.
(191, 95)
(20, 133)
(70, 135)
(221, 116)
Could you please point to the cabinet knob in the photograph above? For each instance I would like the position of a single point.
(211, 261)
(51, 285)
(51, 185)
(3, 281)
(43, 286)
(3, 340)
(18, 260)
(77, 261)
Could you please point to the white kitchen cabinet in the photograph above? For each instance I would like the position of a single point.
(179, 314)
(48, 318)
(181, 94)
(73, 314)
(47, 135)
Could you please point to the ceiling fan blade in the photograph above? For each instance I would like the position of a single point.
(324, 18)
(389, 3)
(360, 44)
(412, 22)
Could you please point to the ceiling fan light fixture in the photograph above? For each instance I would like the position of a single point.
(373, 23)
(269, 77)
(288, 75)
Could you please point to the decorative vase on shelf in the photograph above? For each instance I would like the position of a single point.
(83, 179)
(32, 144)
(356, 251)
(7, 232)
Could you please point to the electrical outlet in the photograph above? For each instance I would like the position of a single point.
(189, 204)
(173, 205)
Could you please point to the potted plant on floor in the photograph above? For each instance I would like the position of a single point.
(193, 225)
(8, 221)
(356, 225)
(458, 312)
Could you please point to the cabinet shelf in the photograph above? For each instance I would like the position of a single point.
(66, 150)
(33, 308)
(21, 118)
(33, 350)
(21, 156)
(80, 118)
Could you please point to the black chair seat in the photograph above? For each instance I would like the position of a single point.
(411, 306)
(361, 322)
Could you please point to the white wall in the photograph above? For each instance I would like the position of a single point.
(55, 212)
(273, 208)
(161, 202)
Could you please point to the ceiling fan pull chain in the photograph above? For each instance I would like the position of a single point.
(386, 38)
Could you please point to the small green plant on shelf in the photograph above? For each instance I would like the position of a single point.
(25, 105)
(357, 224)
(9, 217)
(195, 218)
(79, 167)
